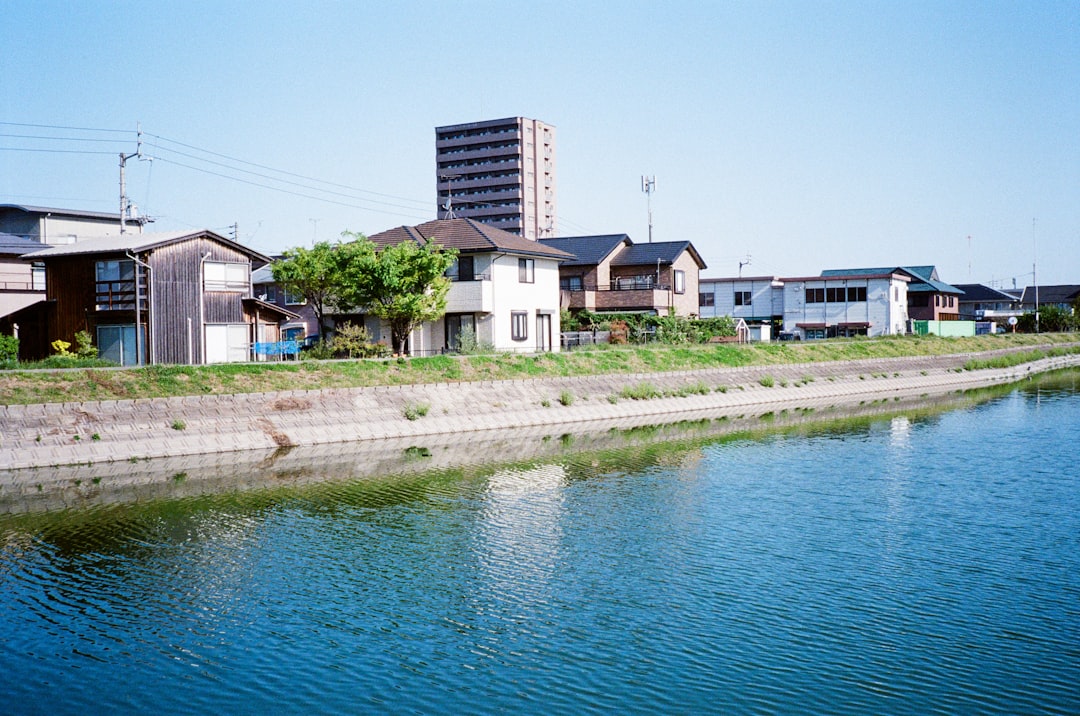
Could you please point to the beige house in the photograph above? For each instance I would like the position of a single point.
(611, 273)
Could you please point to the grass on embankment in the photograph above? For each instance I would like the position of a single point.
(25, 387)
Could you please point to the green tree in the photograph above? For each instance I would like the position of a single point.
(403, 284)
(316, 275)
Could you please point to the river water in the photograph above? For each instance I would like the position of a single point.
(913, 563)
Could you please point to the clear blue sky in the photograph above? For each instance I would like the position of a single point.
(809, 135)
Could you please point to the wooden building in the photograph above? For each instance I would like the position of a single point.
(177, 297)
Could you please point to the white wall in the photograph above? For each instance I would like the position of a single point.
(510, 295)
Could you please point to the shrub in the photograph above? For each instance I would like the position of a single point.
(84, 345)
(9, 349)
(60, 347)
(351, 340)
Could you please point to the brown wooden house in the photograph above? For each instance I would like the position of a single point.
(178, 297)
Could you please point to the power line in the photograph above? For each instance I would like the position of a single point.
(272, 178)
(286, 191)
(54, 151)
(425, 204)
(55, 126)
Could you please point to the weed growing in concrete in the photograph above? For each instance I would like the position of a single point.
(95, 436)
(566, 398)
(179, 425)
(415, 411)
(545, 403)
(767, 381)
(641, 391)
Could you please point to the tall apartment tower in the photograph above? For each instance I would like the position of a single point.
(499, 172)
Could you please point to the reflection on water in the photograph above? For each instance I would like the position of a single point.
(914, 561)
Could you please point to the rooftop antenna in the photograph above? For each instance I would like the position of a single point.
(744, 263)
(448, 207)
(314, 231)
(648, 185)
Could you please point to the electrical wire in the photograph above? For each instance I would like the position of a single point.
(284, 191)
(424, 204)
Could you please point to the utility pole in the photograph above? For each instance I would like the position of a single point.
(1034, 274)
(236, 231)
(648, 185)
(123, 188)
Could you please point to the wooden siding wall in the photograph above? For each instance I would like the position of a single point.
(177, 281)
(70, 280)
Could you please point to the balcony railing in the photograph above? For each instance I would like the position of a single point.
(114, 296)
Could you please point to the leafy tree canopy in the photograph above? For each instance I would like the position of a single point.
(403, 284)
(316, 275)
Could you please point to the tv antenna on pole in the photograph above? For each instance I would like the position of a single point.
(648, 185)
(448, 207)
(744, 263)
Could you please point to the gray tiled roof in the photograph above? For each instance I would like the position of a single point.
(982, 293)
(587, 250)
(666, 252)
(1061, 293)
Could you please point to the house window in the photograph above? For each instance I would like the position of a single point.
(815, 295)
(116, 343)
(519, 325)
(743, 298)
(835, 295)
(293, 298)
(526, 270)
(680, 281)
(37, 277)
(571, 283)
(115, 285)
(856, 294)
(466, 268)
(952, 301)
(222, 276)
(460, 326)
(706, 299)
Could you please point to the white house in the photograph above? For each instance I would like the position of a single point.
(852, 305)
(757, 300)
(505, 288)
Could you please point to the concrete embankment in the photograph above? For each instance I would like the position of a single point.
(132, 430)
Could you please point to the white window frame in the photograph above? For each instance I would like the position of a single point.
(519, 325)
(226, 276)
(526, 271)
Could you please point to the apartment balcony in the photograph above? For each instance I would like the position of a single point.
(475, 296)
(624, 295)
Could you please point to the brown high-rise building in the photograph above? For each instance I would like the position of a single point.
(500, 172)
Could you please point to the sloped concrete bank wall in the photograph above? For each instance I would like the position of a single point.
(36, 436)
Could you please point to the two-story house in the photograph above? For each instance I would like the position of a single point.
(852, 304)
(176, 297)
(929, 298)
(611, 273)
(505, 288)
